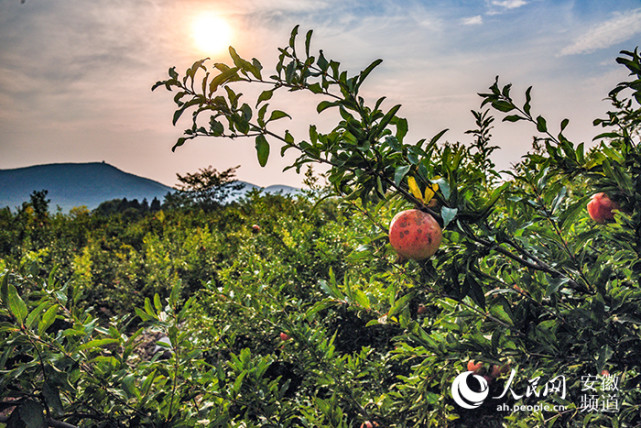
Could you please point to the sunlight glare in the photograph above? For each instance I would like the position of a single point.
(211, 33)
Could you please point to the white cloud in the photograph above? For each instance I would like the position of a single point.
(615, 30)
(473, 20)
(286, 6)
(508, 4)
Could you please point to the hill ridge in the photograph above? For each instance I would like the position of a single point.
(71, 184)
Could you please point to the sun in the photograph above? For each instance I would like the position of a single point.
(211, 33)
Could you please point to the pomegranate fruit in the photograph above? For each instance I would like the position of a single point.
(600, 208)
(474, 366)
(284, 336)
(415, 234)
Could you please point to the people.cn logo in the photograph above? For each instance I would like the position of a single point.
(464, 396)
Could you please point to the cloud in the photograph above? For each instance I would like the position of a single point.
(473, 20)
(508, 4)
(287, 5)
(497, 7)
(615, 30)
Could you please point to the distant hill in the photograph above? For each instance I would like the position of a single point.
(74, 184)
(281, 188)
(275, 188)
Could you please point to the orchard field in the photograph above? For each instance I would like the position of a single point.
(527, 314)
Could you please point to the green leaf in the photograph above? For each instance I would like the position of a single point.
(558, 200)
(174, 294)
(246, 113)
(400, 173)
(129, 386)
(277, 114)
(444, 186)
(32, 414)
(387, 118)
(363, 75)
(4, 288)
(499, 312)
(448, 214)
(308, 41)
(513, 118)
(179, 143)
(324, 105)
(17, 306)
(265, 96)
(292, 37)
(580, 153)
(506, 90)
(399, 305)
(164, 344)
(503, 106)
(47, 319)
(541, 124)
(362, 299)
(564, 124)
(319, 306)
(147, 382)
(289, 138)
(496, 194)
(230, 74)
(316, 88)
(528, 99)
(322, 62)
(34, 314)
(148, 307)
(244, 65)
(262, 149)
(52, 398)
(143, 315)
(215, 127)
(177, 115)
(475, 291)
(61, 295)
(554, 285)
(436, 137)
(401, 129)
(238, 383)
(98, 343)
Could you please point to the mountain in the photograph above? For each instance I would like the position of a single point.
(281, 188)
(74, 184)
(275, 188)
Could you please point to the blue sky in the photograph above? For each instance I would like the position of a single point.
(75, 76)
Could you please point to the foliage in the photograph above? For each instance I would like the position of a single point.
(523, 276)
(39, 203)
(133, 208)
(206, 189)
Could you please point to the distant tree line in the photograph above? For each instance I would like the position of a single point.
(124, 205)
(206, 189)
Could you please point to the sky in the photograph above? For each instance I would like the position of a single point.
(76, 76)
